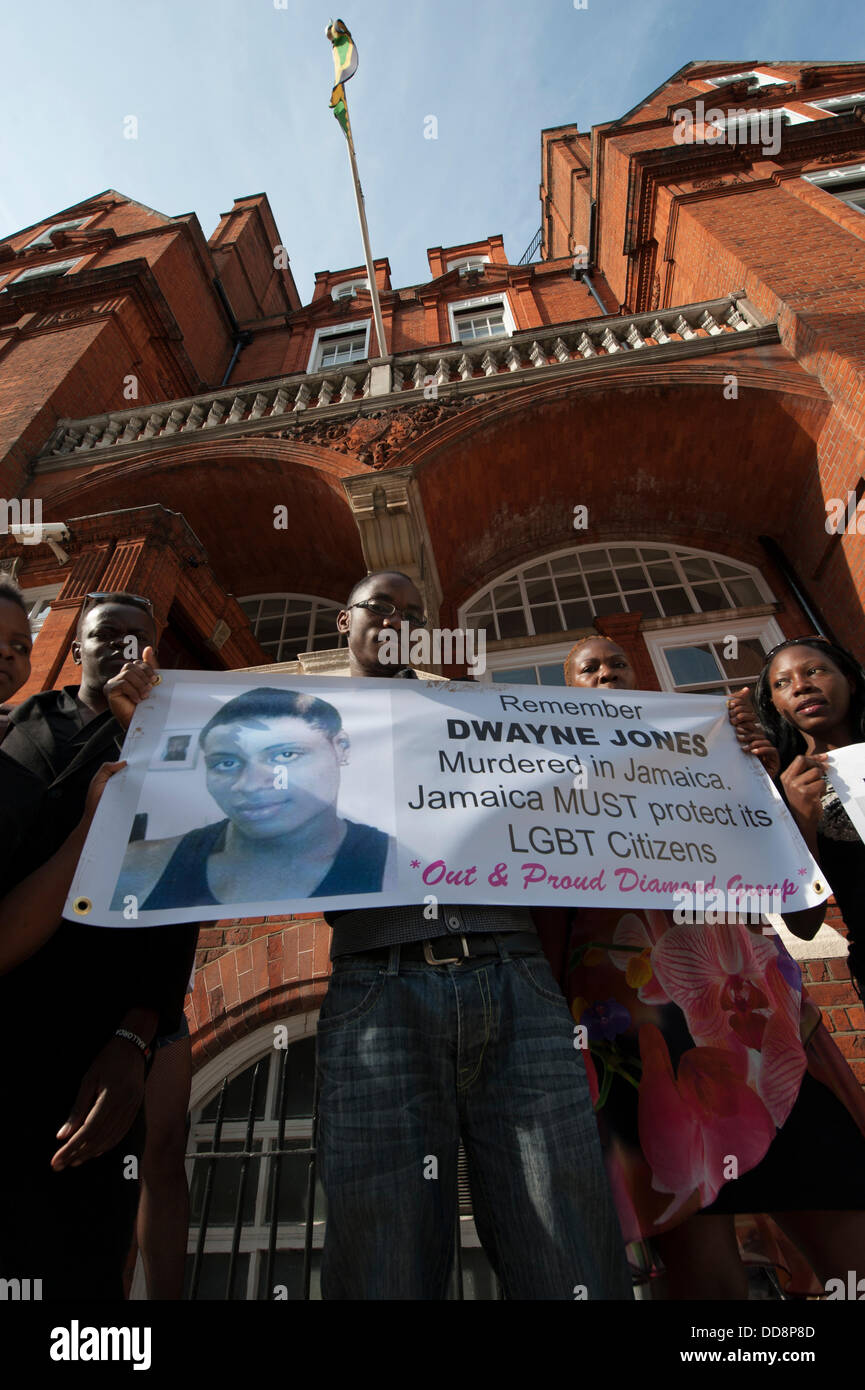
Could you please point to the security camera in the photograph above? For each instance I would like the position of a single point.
(51, 532)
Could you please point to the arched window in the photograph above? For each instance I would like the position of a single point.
(250, 1156)
(349, 289)
(286, 624)
(466, 264)
(566, 591)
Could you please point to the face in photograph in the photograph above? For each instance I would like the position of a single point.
(271, 775)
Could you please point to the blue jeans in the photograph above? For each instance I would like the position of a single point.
(413, 1056)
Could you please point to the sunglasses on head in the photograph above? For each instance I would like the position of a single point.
(137, 599)
(798, 642)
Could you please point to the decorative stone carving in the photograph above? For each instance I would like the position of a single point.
(374, 440)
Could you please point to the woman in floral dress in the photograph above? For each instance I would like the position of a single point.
(718, 1090)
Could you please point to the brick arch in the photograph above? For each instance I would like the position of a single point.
(654, 456)
(227, 493)
(254, 972)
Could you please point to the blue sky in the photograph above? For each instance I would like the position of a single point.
(231, 98)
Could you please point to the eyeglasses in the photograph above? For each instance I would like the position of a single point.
(390, 610)
(127, 598)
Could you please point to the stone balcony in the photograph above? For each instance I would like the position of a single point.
(690, 330)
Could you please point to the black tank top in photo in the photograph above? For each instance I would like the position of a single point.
(357, 868)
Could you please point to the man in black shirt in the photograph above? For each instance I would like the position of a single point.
(433, 1031)
(77, 1018)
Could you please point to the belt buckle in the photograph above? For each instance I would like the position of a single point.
(445, 960)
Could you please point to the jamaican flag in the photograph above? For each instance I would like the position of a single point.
(344, 67)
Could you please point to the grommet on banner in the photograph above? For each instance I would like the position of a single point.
(817, 886)
(82, 906)
(157, 679)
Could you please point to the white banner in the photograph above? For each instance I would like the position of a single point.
(256, 796)
(847, 776)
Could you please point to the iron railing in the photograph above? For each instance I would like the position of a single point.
(534, 244)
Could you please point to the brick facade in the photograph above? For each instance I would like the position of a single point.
(156, 399)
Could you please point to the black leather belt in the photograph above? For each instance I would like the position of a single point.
(440, 950)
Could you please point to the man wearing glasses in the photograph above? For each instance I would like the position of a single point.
(437, 1028)
(86, 1007)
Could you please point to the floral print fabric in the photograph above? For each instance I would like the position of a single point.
(694, 1052)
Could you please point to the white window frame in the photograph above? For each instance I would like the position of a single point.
(50, 271)
(233, 1060)
(229, 1063)
(340, 291)
(479, 303)
(828, 104)
(550, 654)
(660, 640)
(666, 553)
(793, 117)
(44, 237)
(727, 78)
(338, 331)
(833, 181)
(38, 604)
(317, 603)
(466, 263)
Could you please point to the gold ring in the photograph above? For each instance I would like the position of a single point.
(81, 907)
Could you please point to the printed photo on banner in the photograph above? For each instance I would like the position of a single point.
(308, 793)
(257, 794)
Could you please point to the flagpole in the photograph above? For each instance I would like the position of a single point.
(364, 231)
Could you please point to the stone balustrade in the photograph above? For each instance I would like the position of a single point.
(548, 349)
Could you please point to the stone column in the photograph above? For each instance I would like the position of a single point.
(389, 513)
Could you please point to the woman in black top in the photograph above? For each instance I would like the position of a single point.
(272, 760)
(810, 698)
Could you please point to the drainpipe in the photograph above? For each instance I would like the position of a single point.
(584, 274)
(242, 337)
(809, 608)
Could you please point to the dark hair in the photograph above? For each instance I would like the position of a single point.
(376, 574)
(786, 738)
(269, 703)
(117, 596)
(9, 590)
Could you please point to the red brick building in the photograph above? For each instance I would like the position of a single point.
(685, 361)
